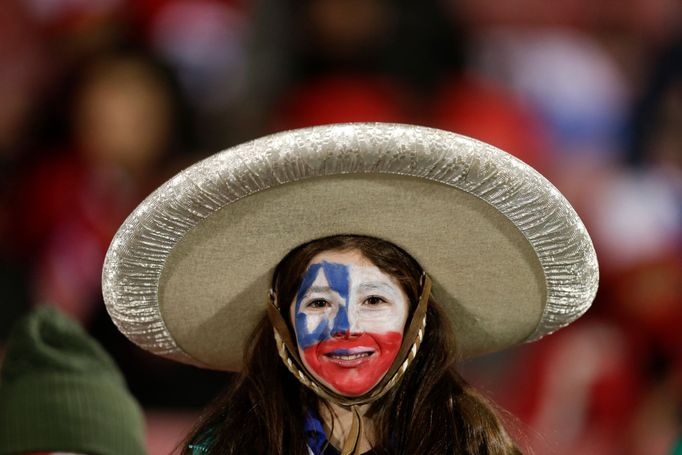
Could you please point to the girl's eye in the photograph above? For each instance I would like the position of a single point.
(374, 300)
(318, 304)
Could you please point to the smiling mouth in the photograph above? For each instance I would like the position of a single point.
(348, 356)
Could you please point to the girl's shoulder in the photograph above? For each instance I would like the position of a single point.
(200, 448)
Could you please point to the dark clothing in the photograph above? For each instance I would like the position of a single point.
(318, 444)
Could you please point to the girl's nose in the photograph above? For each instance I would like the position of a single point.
(345, 334)
(341, 334)
(343, 327)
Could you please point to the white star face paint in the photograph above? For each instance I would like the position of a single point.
(349, 318)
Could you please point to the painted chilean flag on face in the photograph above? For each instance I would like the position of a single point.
(349, 318)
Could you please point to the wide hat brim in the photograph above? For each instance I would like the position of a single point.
(187, 275)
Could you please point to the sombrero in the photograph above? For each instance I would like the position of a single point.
(187, 275)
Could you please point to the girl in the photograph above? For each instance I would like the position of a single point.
(389, 234)
(269, 411)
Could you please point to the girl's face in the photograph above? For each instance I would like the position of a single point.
(349, 318)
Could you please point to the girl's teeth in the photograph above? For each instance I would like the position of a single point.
(351, 356)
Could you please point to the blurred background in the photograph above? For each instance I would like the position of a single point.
(102, 100)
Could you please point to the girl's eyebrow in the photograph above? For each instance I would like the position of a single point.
(376, 286)
(313, 289)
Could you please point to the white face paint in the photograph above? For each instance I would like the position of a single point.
(349, 318)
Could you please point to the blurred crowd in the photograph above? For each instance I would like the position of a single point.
(102, 100)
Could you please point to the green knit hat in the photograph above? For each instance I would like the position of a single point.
(60, 391)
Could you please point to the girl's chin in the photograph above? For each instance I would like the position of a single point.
(349, 382)
(351, 390)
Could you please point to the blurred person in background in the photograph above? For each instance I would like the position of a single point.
(621, 366)
(125, 131)
(637, 218)
(24, 73)
(115, 121)
(61, 392)
(338, 66)
(124, 126)
(205, 43)
(399, 62)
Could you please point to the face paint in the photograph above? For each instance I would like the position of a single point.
(349, 318)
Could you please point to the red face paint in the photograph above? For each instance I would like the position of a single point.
(352, 365)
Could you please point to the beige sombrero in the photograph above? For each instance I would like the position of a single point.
(186, 276)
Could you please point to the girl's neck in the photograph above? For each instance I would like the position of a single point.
(337, 422)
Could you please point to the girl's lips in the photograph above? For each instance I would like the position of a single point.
(349, 351)
(349, 360)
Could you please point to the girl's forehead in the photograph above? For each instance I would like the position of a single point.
(348, 257)
(355, 267)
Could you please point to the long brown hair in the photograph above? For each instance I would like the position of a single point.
(432, 410)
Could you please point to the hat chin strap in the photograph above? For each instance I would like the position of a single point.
(408, 351)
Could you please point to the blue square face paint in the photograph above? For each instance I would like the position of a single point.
(337, 278)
